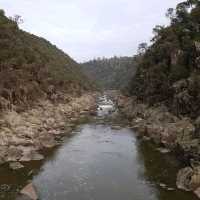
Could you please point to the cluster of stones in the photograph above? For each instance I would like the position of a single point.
(165, 129)
(23, 135)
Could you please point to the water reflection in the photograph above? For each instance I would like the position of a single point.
(99, 163)
(160, 172)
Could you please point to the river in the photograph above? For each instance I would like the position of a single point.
(101, 160)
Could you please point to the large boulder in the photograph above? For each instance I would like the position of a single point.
(188, 179)
(14, 140)
(28, 131)
(197, 192)
(47, 140)
(14, 153)
(3, 154)
(140, 127)
(15, 165)
(30, 153)
(180, 134)
(197, 62)
(159, 115)
(183, 180)
(30, 192)
(168, 135)
(154, 131)
(185, 132)
(197, 45)
(4, 138)
(13, 119)
(4, 104)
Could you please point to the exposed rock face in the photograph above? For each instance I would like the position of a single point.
(22, 135)
(197, 45)
(30, 153)
(180, 135)
(163, 150)
(175, 56)
(161, 126)
(197, 192)
(197, 61)
(184, 179)
(15, 165)
(14, 153)
(189, 179)
(185, 98)
(30, 192)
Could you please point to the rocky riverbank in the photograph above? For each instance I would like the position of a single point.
(23, 135)
(179, 135)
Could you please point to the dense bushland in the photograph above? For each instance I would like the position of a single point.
(111, 73)
(31, 67)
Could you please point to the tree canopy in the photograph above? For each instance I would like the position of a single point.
(173, 56)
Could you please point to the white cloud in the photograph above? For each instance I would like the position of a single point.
(91, 28)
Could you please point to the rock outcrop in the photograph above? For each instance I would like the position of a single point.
(188, 179)
(179, 135)
(161, 126)
(29, 192)
(23, 135)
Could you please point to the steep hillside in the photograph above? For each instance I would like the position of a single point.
(113, 73)
(169, 71)
(31, 67)
(164, 101)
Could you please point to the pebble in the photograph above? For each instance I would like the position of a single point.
(163, 150)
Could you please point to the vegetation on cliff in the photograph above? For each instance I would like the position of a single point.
(31, 67)
(112, 73)
(169, 71)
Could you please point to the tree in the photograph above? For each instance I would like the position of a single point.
(2, 12)
(170, 14)
(17, 19)
(182, 11)
(193, 3)
(142, 48)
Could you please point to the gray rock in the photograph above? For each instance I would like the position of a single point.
(140, 128)
(30, 191)
(15, 165)
(183, 178)
(14, 153)
(197, 192)
(3, 153)
(30, 154)
(47, 140)
(163, 150)
(170, 189)
(163, 185)
(197, 45)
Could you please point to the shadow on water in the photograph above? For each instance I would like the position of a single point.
(160, 172)
(98, 162)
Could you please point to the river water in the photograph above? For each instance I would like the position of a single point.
(99, 162)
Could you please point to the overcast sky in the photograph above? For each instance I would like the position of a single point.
(91, 28)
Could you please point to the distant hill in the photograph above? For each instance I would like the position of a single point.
(31, 67)
(112, 73)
